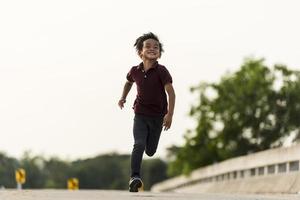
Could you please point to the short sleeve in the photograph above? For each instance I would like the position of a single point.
(129, 76)
(165, 76)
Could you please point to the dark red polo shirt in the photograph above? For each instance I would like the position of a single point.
(151, 97)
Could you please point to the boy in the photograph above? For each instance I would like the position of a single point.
(152, 109)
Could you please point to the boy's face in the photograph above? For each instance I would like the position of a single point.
(150, 50)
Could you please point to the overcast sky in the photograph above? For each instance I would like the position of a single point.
(63, 64)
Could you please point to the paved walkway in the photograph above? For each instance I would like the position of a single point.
(124, 195)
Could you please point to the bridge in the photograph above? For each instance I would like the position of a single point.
(272, 171)
(124, 195)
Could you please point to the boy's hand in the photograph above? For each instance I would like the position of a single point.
(167, 121)
(121, 103)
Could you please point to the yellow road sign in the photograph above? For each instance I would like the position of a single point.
(20, 176)
(73, 184)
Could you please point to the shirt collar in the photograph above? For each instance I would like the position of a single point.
(141, 65)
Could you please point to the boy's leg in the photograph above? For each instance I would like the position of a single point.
(140, 132)
(155, 128)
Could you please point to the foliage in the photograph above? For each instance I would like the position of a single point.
(109, 171)
(33, 166)
(56, 173)
(253, 109)
(154, 171)
(7, 171)
(103, 172)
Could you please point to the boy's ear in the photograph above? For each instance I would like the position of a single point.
(140, 54)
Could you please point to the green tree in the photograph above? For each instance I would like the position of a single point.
(34, 168)
(102, 172)
(108, 171)
(112, 171)
(153, 171)
(57, 173)
(7, 171)
(253, 109)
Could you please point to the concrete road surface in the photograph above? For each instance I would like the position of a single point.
(124, 195)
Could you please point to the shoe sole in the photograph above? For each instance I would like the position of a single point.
(135, 185)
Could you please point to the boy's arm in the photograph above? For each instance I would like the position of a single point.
(125, 92)
(168, 117)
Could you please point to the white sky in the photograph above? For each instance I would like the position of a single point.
(63, 64)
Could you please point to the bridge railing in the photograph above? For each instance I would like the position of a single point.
(239, 174)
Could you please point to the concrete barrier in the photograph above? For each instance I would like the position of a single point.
(270, 171)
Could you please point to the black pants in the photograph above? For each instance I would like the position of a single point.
(146, 132)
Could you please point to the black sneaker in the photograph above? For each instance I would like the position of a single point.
(135, 184)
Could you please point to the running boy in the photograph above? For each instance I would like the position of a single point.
(153, 111)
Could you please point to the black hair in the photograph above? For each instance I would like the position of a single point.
(139, 42)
